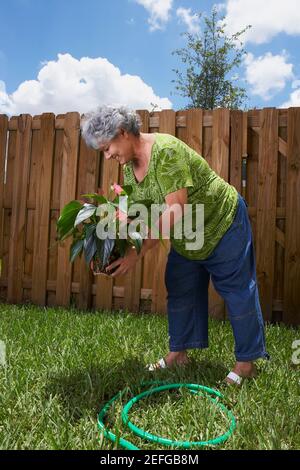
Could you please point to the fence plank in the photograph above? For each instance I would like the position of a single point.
(11, 156)
(194, 129)
(292, 234)
(252, 173)
(266, 207)
(67, 193)
(7, 203)
(42, 209)
(104, 284)
(54, 214)
(278, 291)
(167, 125)
(88, 175)
(149, 261)
(236, 149)
(133, 279)
(148, 265)
(35, 157)
(19, 199)
(244, 153)
(220, 164)
(3, 143)
(220, 142)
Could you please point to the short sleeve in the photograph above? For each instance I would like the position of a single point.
(173, 171)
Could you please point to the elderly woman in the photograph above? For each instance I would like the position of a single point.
(162, 168)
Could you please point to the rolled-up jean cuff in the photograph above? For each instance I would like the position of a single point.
(182, 347)
(253, 357)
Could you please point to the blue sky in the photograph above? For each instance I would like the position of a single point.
(71, 55)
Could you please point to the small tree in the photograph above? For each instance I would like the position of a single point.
(210, 58)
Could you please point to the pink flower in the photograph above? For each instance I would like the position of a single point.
(117, 189)
(121, 215)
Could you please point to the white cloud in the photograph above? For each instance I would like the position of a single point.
(296, 84)
(294, 100)
(4, 98)
(159, 12)
(68, 84)
(268, 18)
(192, 21)
(267, 74)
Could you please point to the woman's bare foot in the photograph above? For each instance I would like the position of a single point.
(179, 357)
(243, 369)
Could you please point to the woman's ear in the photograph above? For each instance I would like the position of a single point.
(124, 133)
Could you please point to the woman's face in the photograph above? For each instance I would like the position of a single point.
(120, 148)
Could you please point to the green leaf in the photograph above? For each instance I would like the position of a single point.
(90, 247)
(127, 189)
(89, 229)
(98, 197)
(63, 235)
(106, 249)
(136, 240)
(85, 213)
(76, 249)
(72, 206)
(65, 222)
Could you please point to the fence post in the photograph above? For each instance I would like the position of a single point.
(291, 309)
(19, 201)
(220, 164)
(68, 192)
(42, 209)
(266, 207)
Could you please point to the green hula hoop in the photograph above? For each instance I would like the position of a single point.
(193, 388)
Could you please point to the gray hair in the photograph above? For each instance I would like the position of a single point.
(103, 124)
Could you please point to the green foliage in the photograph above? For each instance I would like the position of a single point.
(66, 221)
(209, 59)
(80, 220)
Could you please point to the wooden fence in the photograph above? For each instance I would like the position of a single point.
(44, 163)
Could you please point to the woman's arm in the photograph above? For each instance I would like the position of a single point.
(175, 206)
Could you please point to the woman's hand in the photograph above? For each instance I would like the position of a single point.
(125, 264)
(92, 268)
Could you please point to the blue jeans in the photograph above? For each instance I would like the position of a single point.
(232, 269)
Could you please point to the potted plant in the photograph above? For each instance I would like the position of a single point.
(83, 221)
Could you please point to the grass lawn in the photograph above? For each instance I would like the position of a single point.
(64, 365)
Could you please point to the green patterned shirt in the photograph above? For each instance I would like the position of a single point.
(174, 165)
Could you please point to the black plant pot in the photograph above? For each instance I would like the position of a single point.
(99, 268)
